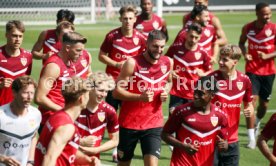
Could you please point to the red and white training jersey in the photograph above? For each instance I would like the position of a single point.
(51, 42)
(207, 39)
(13, 67)
(187, 18)
(269, 131)
(94, 123)
(54, 94)
(82, 65)
(68, 155)
(230, 98)
(197, 129)
(186, 63)
(140, 115)
(260, 40)
(120, 48)
(146, 26)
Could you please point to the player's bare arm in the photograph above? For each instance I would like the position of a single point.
(263, 146)
(82, 159)
(265, 56)
(248, 110)
(57, 144)
(104, 58)
(89, 64)
(46, 82)
(32, 147)
(36, 51)
(214, 59)
(165, 30)
(242, 42)
(168, 86)
(222, 40)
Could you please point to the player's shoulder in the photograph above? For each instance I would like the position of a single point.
(139, 35)
(242, 76)
(218, 111)
(183, 109)
(3, 110)
(107, 107)
(34, 110)
(113, 33)
(25, 52)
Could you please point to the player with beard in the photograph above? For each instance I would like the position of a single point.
(200, 126)
(142, 87)
(222, 40)
(260, 67)
(208, 39)
(15, 61)
(148, 21)
(190, 62)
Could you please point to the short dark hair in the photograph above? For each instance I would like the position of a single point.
(64, 25)
(15, 24)
(209, 83)
(65, 15)
(22, 82)
(198, 9)
(128, 8)
(195, 27)
(231, 50)
(73, 38)
(73, 88)
(156, 35)
(261, 5)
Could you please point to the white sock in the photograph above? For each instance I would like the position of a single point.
(114, 151)
(251, 135)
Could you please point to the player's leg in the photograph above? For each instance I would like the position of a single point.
(151, 146)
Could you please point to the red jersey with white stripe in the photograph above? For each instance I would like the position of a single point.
(82, 65)
(68, 155)
(186, 63)
(146, 26)
(120, 48)
(197, 129)
(55, 93)
(230, 97)
(13, 67)
(140, 115)
(260, 40)
(51, 42)
(207, 39)
(94, 123)
(269, 131)
(187, 18)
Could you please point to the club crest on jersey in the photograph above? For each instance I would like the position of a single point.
(197, 55)
(101, 116)
(23, 61)
(155, 25)
(32, 123)
(214, 120)
(207, 32)
(84, 62)
(164, 69)
(136, 40)
(268, 32)
(240, 85)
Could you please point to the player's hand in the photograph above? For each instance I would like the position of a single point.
(9, 161)
(222, 144)
(191, 149)
(89, 150)
(164, 96)
(175, 74)
(248, 57)
(147, 96)
(5, 82)
(88, 141)
(48, 54)
(95, 161)
(214, 60)
(200, 73)
(263, 55)
(247, 112)
(119, 65)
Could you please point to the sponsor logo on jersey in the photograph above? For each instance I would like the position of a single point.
(240, 85)
(268, 32)
(101, 116)
(155, 25)
(84, 62)
(197, 55)
(23, 61)
(214, 120)
(164, 69)
(135, 40)
(4, 60)
(188, 140)
(207, 32)
(191, 120)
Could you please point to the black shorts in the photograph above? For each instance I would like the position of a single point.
(176, 101)
(230, 157)
(262, 85)
(150, 140)
(113, 102)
